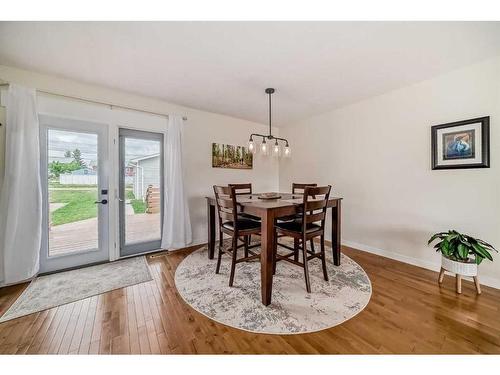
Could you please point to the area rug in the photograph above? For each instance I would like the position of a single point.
(61, 288)
(292, 310)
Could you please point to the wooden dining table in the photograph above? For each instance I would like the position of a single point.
(268, 211)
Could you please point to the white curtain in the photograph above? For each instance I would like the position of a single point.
(21, 194)
(176, 221)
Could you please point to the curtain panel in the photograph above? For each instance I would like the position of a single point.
(21, 194)
(176, 221)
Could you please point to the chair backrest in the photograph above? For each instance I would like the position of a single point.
(299, 188)
(315, 208)
(241, 189)
(227, 208)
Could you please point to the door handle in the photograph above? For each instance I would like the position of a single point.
(104, 201)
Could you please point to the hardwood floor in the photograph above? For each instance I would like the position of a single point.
(408, 313)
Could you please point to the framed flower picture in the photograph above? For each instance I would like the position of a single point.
(461, 144)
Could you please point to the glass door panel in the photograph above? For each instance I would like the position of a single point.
(72, 187)
(75, 193)
(141, 196)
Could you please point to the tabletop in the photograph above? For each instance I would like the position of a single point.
(285, 200)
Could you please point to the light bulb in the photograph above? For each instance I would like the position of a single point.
(287, 151)
(276, 149)
(263, 148)
(251, 146)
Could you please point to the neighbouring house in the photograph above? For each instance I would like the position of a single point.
(84, 172)
(145, 172)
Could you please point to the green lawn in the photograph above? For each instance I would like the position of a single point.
(80, 205)
(56, 184)
(138, 205)
(129, 194)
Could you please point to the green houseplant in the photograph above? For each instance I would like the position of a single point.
(461, 255)
(460, 247)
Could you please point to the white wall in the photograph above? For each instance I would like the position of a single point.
(376, 154)
(201, 129)
(2, 143)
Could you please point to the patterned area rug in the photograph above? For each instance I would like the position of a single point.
(292, 310)
(61, 288)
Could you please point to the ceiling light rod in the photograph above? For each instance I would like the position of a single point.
(270, 136)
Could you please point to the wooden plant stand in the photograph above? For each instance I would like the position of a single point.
(459, 281)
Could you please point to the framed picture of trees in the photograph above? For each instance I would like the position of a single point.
(228, 156)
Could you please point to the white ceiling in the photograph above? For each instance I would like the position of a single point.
(224, 67)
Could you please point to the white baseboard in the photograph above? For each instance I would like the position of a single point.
(433, 266)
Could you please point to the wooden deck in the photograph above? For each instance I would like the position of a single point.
(408, 313)
(73, 237)
(83, 235)
(142, 228)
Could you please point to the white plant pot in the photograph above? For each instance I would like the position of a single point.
(462, 268)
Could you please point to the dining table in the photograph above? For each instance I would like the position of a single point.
(269, 210)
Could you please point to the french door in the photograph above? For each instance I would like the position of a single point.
(140, 191)
(74, 171)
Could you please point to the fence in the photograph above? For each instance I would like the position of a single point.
(152, 200)
(73, 179)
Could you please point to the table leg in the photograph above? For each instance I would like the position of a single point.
(266, 257)
(211, 230)
(336, 221)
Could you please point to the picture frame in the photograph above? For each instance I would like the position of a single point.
(231, 157)
(461, 144)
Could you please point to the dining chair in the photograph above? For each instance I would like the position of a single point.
(235, 226)
(298, 188)
(245, 189)
(309, 225)
(242, 189)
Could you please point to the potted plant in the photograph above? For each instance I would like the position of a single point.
(461, 254)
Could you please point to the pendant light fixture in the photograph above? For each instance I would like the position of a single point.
(273, 145)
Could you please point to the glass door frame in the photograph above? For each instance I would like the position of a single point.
(85, 257)
(141, 247)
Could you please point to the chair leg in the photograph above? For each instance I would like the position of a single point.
(246, 246)
(296, 247)
(323, 258)
(306, 267)
(312, 245)
(221, 239)
(219, 257)
(275, 251)
(233, 261)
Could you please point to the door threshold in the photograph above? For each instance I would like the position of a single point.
(72, 268)
(152, 253)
